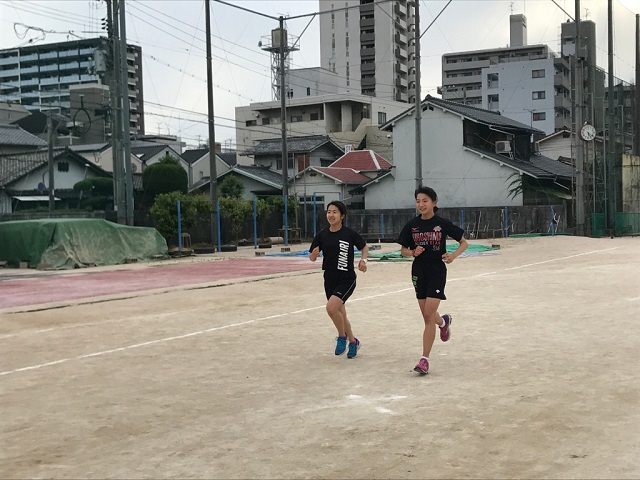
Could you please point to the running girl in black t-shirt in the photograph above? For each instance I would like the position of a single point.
(424, 239)
(336, 242)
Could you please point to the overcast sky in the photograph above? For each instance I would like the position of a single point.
(171, 34)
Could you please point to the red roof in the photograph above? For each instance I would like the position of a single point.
(362, 161)
(344, 175)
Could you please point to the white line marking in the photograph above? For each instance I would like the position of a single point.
(240, 324)
(561, 258)
(635, 299)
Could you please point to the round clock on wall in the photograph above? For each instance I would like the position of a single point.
(587, 132)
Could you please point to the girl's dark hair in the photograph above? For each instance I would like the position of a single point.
(340, 206)
(429, 192)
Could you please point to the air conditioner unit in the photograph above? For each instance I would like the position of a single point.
(503, 146)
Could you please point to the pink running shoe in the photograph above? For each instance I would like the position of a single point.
(445, 330)
(422, 367)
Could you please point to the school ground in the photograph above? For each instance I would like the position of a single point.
(223, 367)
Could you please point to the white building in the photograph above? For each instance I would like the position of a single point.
(368, 47)
(348, 119)
(460, 160)
(528, 83)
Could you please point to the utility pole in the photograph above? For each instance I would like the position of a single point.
(114, 96)
(611, 141)
(50, 138)
(636, 97)
(283, 118)
(418, 100)
(578, 121)
(126, 141)
(213, 174)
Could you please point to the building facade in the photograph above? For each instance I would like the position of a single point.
(39, 76)
(347, 119)
(368, 47)
(528, 83)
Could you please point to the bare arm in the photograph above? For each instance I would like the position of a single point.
(462, 246)
(362, 264)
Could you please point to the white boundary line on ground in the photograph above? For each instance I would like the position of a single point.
(278, 315)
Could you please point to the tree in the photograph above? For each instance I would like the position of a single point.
(165, 211)
(231, 186)
(264, 208)
(235, 210)
(94, 192)
(163, 177)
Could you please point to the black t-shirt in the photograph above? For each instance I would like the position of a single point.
(337, 248)
(431, 235)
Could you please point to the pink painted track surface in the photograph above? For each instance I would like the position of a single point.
(47, 288)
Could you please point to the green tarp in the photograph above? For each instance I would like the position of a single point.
(55, 244)
(472, 250)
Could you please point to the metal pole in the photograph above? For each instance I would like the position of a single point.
(418, 105)
(113, 100)
(126, 142)
(179, 226)
(255, 222)
(52, 198)
(213, 173)
(636, 113)
(116, 145)
(611, 207)
(579, 85)
(283, 118)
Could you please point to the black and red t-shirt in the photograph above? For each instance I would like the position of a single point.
(430, 234)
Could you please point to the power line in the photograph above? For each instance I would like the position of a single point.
(436, 18)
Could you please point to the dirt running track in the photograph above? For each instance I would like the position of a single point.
(539, 380)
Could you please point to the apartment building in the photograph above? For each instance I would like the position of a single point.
(39, 76)
(528, 83)
(366, 44)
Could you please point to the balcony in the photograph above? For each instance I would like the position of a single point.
(29, 58)
(560, 101)
(368, 82)
(49, 81)
(401, 82)
(401, 68)
(402, 53)
(367, 23)
(367, 53)
(366, 38)
(9, 61)
(366, 9)
(367, 68)
(47, 56)
(401, 38)
(400, 9)
(13, 72)
(68, 53)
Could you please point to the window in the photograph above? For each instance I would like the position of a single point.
(538, 116)
(537, 73)
(308, 91)
(333, 42)
(251, 123)
(538, 95)
(266, 120)
(382, 118)
(296, 118)
(63, 166)
(314, 116)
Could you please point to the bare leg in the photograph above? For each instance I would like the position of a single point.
(429, 309)
(347, 325)
(335, 309)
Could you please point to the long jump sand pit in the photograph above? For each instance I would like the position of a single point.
(539, 380)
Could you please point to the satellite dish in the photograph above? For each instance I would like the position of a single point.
(41, 187)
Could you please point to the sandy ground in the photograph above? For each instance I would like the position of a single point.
(539, 380)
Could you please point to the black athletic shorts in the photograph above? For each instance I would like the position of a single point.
(429, 279)
(340, 284)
